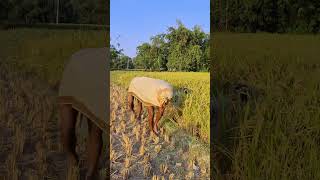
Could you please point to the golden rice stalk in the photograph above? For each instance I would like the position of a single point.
(143, 140)
(190, 164)
(118, 129)
(126, 143)
(116, 105)
(132, 118)
(113, 155)
(123, 125)
(171, 176)
(113, 115)
(125, 140)
(161, 131)
(203, 169)
(155, 177)
(142, 150)
(162, 178)
(166, 138)
(152, 135)
(156, 139)
(137, 135)
(134, 130)
(146, 159)
(123, 110)
(157, 148)
(147, 170)
(190, 175)
(164, 168)
(129, 150)
(144, 131)
(123, 117)
(127, 162)
(137, 132)
(125, 173)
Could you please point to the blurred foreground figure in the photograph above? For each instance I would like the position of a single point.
(153, 94)
(83, 90)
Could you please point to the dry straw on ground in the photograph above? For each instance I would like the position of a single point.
(137, 153)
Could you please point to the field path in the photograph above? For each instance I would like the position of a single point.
(137, 154)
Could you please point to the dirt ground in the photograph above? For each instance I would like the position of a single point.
(137, 154)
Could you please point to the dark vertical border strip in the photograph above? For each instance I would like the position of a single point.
(212, 119)
(108, 90)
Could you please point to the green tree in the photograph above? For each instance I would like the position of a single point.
(144, 57)
(267, 15)
(180, 49)
(119, 60)
(39, 11)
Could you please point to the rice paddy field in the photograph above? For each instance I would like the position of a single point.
(31, 64)
(182, 149)
(136, 153)
(267, 106)
(191, 100)
(44, 52)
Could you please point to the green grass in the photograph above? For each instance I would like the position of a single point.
(45, 52)
(194, 106)
(278, 135)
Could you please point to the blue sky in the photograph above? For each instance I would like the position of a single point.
(133, 22)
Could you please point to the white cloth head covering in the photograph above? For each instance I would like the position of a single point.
(151, 91)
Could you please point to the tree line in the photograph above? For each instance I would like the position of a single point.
(179, 49)
(45, 11)
(276, 16)
(118, 59)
